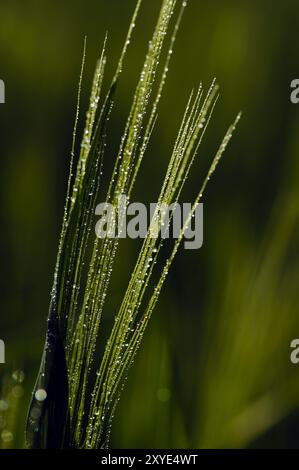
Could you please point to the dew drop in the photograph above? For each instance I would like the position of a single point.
(41, 394)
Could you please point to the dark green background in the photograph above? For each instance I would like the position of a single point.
(214, 370)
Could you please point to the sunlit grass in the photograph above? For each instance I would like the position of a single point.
(77, 392)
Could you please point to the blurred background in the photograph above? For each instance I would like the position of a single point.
(214, 369)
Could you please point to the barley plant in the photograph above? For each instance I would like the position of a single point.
(78, 388)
